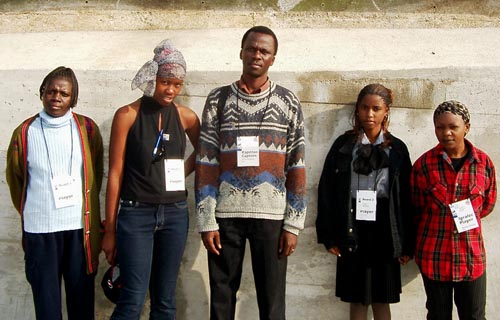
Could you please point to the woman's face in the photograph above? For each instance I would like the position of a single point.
(371, 112)
(450, 131)
(56, 97)
(166, 90)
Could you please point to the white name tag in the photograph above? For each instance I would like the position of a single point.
(64, 191)
(464, 216)
(366, 205)
(174, 175)
(248, 151)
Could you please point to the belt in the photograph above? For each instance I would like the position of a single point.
(135, 204)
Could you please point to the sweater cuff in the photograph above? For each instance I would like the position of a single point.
(208, 227)
(291, 229)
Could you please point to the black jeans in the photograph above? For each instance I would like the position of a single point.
(50, 257)
(269, 270)
(469, 296)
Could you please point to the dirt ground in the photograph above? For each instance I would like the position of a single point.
(114, 15)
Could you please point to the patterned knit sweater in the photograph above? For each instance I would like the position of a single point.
(276, 189)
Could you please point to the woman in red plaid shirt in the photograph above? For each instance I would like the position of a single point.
(453, 187)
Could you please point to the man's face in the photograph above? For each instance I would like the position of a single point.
(257, 54)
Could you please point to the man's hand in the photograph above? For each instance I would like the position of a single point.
(287, 244)
(211, 241)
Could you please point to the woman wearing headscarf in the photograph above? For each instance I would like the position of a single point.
(453, 188)
(146, 187)
(364, 216)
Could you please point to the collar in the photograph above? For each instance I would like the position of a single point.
(53, 122)
(472, 154)
(364, 139)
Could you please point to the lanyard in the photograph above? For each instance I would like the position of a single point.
(47, 147)
(375, 182)
(263, 115)
(160, 148)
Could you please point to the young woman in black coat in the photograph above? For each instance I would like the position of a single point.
(364, 216)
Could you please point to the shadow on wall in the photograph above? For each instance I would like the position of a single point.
(409, 273)
(324, 123)
(192, 293)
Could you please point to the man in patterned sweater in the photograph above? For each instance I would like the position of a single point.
(250, 180)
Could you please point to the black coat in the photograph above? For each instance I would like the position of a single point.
(334, 223)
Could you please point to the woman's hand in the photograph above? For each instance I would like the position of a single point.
(109, 246)
(334, 250)
(404, 260)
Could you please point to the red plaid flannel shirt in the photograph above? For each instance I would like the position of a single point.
(441, 252)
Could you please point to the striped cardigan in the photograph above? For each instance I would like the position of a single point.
(92, 152)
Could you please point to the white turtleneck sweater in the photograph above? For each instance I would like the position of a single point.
(40, 213)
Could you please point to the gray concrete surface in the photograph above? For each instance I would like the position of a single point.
(326, 67)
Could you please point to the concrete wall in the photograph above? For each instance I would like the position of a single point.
(326, 68)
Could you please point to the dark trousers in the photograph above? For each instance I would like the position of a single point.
(50, 257)
(269, 270)
(469, 296)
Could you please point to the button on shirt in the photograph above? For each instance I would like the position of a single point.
(442, 253)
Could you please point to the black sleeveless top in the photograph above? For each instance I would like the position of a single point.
(143, 174)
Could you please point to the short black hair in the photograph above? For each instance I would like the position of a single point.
(264, 30)
(65, 73)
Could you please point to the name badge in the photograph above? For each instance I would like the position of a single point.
(464, 216)
(174, 174)
(64, 191)
(248, 151)
(366, 205)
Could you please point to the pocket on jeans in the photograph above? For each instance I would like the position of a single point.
(126, 211)
(181, 205)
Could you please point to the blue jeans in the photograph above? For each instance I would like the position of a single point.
(150, 243)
